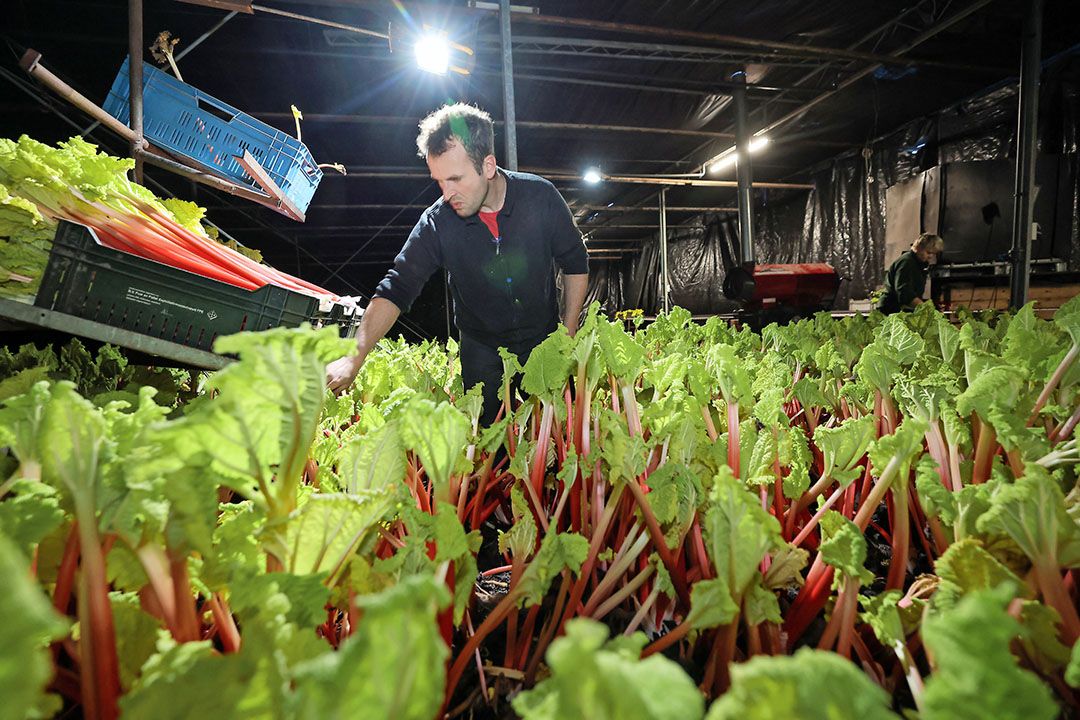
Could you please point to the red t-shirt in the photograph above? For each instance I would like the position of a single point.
(491, 219)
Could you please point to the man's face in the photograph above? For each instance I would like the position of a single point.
(927, 256)
(462, 186)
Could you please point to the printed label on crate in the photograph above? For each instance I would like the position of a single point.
(146, 297)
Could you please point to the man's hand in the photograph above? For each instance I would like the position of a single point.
(341, 373)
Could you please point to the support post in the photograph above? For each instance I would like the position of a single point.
(508, 85)
(665, 279)
(135, 80)
(744, 171)
(1023, 230)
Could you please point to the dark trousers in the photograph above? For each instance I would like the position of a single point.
(481, 363)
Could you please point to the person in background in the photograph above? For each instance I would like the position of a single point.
(905, 279)
(500, 235)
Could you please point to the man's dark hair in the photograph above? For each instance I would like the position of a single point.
(465, 124)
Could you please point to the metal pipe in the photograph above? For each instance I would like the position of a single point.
(852, 79)
(1023, 230)
(691, 182)
(665, 280)
(397, 119)
(31, 63)
(744, 172)
(135, 82)
(508, 84)
(320, 21)
(199, 40)
(775, 47)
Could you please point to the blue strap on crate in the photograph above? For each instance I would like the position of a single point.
(212, 134)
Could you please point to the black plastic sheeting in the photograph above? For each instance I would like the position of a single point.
(842, 220)
(695, 268)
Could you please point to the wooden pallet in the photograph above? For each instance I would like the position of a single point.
(1047, 298)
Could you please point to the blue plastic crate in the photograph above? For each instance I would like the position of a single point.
(187, 121)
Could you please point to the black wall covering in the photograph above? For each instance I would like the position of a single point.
(842, 220)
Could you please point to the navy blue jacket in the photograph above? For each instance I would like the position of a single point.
(504, 292)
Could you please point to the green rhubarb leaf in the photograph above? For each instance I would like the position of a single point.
(1032, 512)
(665, 373)
(558, 552)
(373, 461)
(438, 434)
(997, 385)
(761, 605)
(730, 372)
(624, 455)
(211, 685)
(948, 337)
(883, 616)
(550, 365)
(21, 423)
(297, 599)
(795, 450)
(622, 355)
(520, 539)
(711, 604)
(845, 550)
(393, 667)
(936, 499)
(1040, 637)
(976, 634)
(738, 532)
(30, 623)
(30, 512)
(967, 567)
(810, 685)
(844, 446)
(808, 392)
(593, 678)
(877, 367)
(136, 635)
(1072, 671)
(785, 570)
(323, 534)
(902, 447)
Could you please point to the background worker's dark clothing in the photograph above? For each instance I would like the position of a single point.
(904, 281)
(503, 288)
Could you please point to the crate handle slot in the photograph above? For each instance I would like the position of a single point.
(215, 110)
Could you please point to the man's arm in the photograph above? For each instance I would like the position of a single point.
(574, 289)
(379, 317)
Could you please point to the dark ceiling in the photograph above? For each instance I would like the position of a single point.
(600, 83)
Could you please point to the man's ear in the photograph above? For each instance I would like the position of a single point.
(490, 167)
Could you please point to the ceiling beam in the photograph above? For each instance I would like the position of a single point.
(532, 124)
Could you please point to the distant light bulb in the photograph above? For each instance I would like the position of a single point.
(433, 54)
(592, 176)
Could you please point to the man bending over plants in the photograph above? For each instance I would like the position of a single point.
(500, 235)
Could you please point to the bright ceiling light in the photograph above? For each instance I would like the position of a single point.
(433, 53)
(592, 176)
(728, 158)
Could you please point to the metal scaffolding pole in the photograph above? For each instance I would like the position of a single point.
(135, 81)
(508, 84)
(1023, 230)
(744, 171)
(665, 280)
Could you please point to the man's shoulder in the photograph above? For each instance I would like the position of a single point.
(529, 182)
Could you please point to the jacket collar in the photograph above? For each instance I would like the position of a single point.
(508, 201)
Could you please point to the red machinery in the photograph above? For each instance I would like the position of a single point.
(801, 288)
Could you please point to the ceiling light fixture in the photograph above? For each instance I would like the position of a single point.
(592, 176)
(433, 53)
(729, 157)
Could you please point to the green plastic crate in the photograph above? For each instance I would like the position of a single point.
(86, 279)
